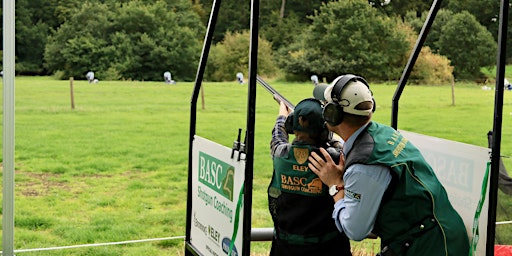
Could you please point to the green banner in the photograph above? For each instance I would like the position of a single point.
(216, 174)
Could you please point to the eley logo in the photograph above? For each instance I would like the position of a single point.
(301, 154)
(217, 175)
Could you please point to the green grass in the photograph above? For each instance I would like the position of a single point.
(115, 167)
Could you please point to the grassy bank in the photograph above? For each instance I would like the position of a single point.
(114, 168)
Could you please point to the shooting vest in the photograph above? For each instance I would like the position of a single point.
(299, 202)
(415, 216)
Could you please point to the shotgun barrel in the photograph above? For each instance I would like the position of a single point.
(277, 96)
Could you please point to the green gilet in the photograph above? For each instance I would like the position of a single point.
(300, 205)
(415, 216)
(293, 175)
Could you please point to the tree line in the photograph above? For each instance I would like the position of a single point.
(140, 40)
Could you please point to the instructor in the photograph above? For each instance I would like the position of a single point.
(382, 186)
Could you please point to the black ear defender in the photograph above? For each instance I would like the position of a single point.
(333, 112)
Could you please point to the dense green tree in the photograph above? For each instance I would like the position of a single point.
(281, 22)
(486, 13)
(234, 16)
(299, 8)
(400, 8)
(282, 31)
(349, 37)
(430, 68)
(442, 17)
(231, 56)
(133, 40)
(468, 45)
(76, 46)
(31, 34)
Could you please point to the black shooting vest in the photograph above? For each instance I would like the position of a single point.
(415, 216)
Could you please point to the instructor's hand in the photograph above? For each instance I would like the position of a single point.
(327, 170)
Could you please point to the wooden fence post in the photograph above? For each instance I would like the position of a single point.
(71, 92)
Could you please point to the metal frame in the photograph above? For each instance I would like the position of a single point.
(251, 116)
(498, 107)
(497, 126)
(8, 129)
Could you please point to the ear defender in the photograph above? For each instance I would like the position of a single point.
(288, 123)
(333, 112)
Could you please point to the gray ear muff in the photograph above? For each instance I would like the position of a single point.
(333, 114)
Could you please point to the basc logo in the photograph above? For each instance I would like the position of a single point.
(217, 175)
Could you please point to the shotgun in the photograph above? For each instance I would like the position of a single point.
(277, 96)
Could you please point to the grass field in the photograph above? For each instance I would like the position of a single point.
(115, 167)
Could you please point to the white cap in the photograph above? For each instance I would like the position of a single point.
(353, 93)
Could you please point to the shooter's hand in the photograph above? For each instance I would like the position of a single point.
(283, 109)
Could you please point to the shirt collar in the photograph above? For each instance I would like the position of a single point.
(350, 142)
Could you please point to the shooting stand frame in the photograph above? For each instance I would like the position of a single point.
(497, 125)
(250, 124)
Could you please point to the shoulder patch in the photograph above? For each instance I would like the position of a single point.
(352, 195)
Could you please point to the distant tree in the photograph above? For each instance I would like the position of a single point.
(468, 45)
(32, 28)
(232, 56)
(131, 40)
(235, 15)
(348, 37)
(430, 68)
(486, 13)
(280, 32)
(442, 17)
(78, 45)
(400, 8)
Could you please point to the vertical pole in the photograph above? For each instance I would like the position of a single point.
(436, 5)
(251, 117)
(202, 96)
(72, 93)
(8, 129)
(189, 250)
(497, 125)
(453, 91)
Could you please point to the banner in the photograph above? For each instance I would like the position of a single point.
(217, 180)
(460, 168)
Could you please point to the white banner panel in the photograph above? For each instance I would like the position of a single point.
(460, 168)
(216, 183)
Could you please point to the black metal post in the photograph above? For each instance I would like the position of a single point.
(251, 117)
(497, 125)
(412, 60)
(193, 113)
